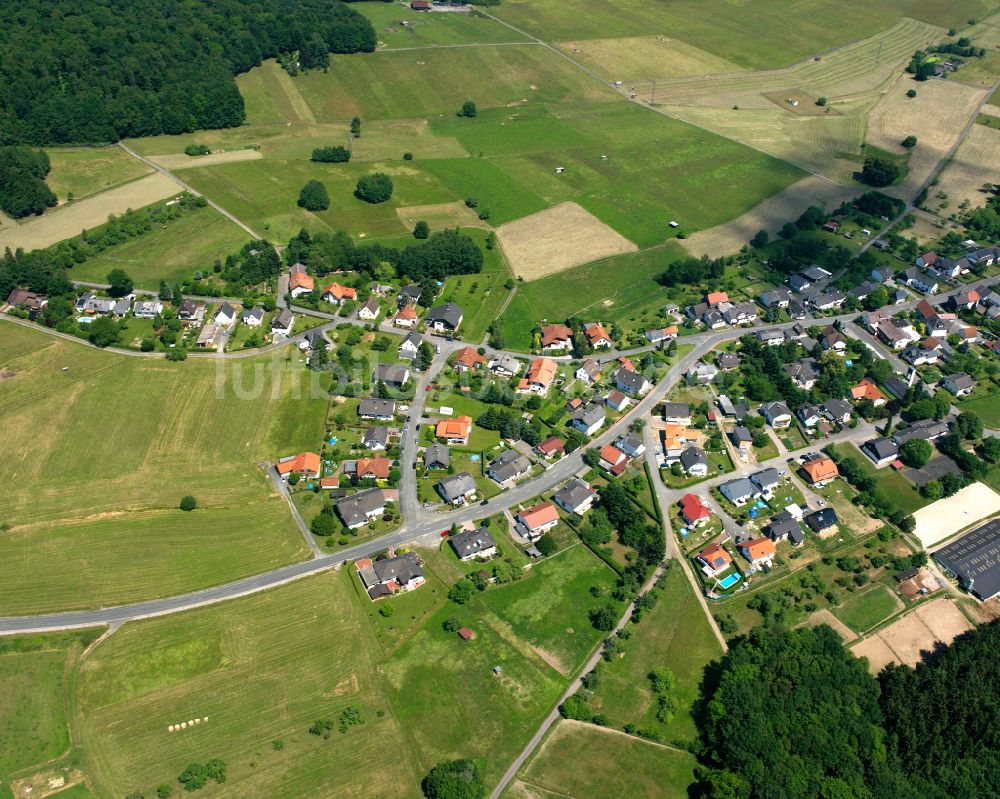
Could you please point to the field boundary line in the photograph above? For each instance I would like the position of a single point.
(456, 46)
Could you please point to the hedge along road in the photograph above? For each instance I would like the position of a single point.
(411, 532)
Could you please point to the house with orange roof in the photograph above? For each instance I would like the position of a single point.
(626, 363)
(330, 483)
(534, 522)
(694, 511)
(405, 317)
(820, 470)
(759, 551)
(299, 282)
(613, 459)
(338, 294)
(714, 559)
(713, 298)
(597, 336)
(551, 447)
(866, 389)
(467, 359)
(557, 337)
(369, 468)
(305, 464)
(539, 377)
(676, 438)
(454, 431)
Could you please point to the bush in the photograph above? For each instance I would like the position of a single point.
(454, 779)
(374, 188)
(909, 142)
(197, 149)
(820, 101)
(331, 155)
(461, 592)
(386, 610)
(546, 545)
(314, 197)
(911, 92)
(188, 503)
(471, 202)
(451, 624)
(323, 524)
(164, 791)
(407, 156)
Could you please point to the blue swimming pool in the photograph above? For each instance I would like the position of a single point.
(730, 581)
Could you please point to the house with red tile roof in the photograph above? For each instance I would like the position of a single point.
(866, 389)
(759, 551)
(467, 359)
(715, 297)
(551, 447)
(694, 511)
(613, 459)
(557, 337)
(534, 522)
(305, 464)
(539, 377)
(405, 317)
(299, 282)
(338, 294)
(454, 431)
(597, 336)
(714, 559)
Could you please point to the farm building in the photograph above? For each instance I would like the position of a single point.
(975, 560)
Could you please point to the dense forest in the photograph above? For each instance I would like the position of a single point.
(23, 190)
(793, 714)
(86, 71)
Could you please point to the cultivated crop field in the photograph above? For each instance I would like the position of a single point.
(581, 761)
(642, 57)
(97, 458)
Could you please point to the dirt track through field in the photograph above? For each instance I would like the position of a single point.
(558, 238)
(175, 161)
(769, 215)
(69, 220)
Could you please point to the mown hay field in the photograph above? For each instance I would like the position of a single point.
(82, 171)
(97, 458)
(975, 161)
(643, 57)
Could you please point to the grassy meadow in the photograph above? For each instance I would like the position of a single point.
(87, 170)
(425, 30)
(98, 456)
(863, 611)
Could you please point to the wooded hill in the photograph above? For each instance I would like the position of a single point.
(90, 71)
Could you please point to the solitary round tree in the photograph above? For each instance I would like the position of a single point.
(421, 230)
(879, 172)
(374, 188)
(456, 779)
(909, 142)
(468, 109)
(188, 503)
(313, 196)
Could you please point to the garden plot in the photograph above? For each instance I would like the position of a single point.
(558, 238)
(942, 519)
(911, 637)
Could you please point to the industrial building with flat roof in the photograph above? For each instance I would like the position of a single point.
(975, 560)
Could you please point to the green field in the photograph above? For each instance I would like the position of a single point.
(87, 170)
(674, 634)
(988, 407)
(100, 455)
(579, 761)
(172, 252)
(428, 29)
(547, 607)
(753, 35)
(609, 289)
(898, 492)
(863, 611)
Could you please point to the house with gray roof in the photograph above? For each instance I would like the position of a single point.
(959, 384)
(777, 414)
(437, 456)
(634, 383)
(375, 438)
(375, 408)
(385, 576)
(472, 544)
(253, 317)
(881, 450)
(445, 318)
(457, 489)
(588, 419)
(739, 491)
(359, 509)
(575, 497)
(677, 413)
(702, 373)
(391, 374)
(694, 461)
(926, 430)
(504, 365)
(836, 410)
(766, 479)
(410, 346)
(508, 465)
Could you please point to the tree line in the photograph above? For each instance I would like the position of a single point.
(88, 71)
(23, 190)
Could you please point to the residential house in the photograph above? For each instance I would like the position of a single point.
(539, 377)
(926, 430)
(702, 373)
(735, 410)
(677, 413)
(473, 544)
(557, 337)
(208, 336)
(314, 339)
(896, 337)
(959, 384)
(338, 294)
(820, 469)
(694, 461)
(777, 414)
(661, 334)
(613, 459)
(766, 480)
(387, 576)
(984, 256)
(534, 522)
(694, 511)
(92, 305)
(866, 389)
(631, 444)
(727, 361)
(634, 383)
(739, 491)
(455, 431)
(742, 440)
(551, 447)
(927, 259)
(770, 337)
(796, 309)
(282, 322)
(714, 559)
(803, 373)
(375, 408)
(467, 360)
(822, 519)
(714, 298)
(882, 451)
(225, 316)
(304, 464)
(147, 309)
(828, 300)
(405, 317)
(253, 317)
(508, 465)
(588, 419)
(589, 371)
(410, 346)
(784, 527)
(800, 284)
(759, 551)
(896, 386)
(836, 410)
(832, 340)
(445, 318)
(881, 274)
(29, 300)
(872, 320)
(299, 282)
(810, 415)
(437, 456)
(391, 374)
(740, 313)
(122, 307)
(504, 365)
(370, 309)
(816, 273)
(375, 438)
(191, 311)
(409, 294)
(457, 489)
(376, 468)
(616, 400)
(597, 336)
(675, 439)
(916, 279)
(775, 298)
(963, 299)
(575, 497)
